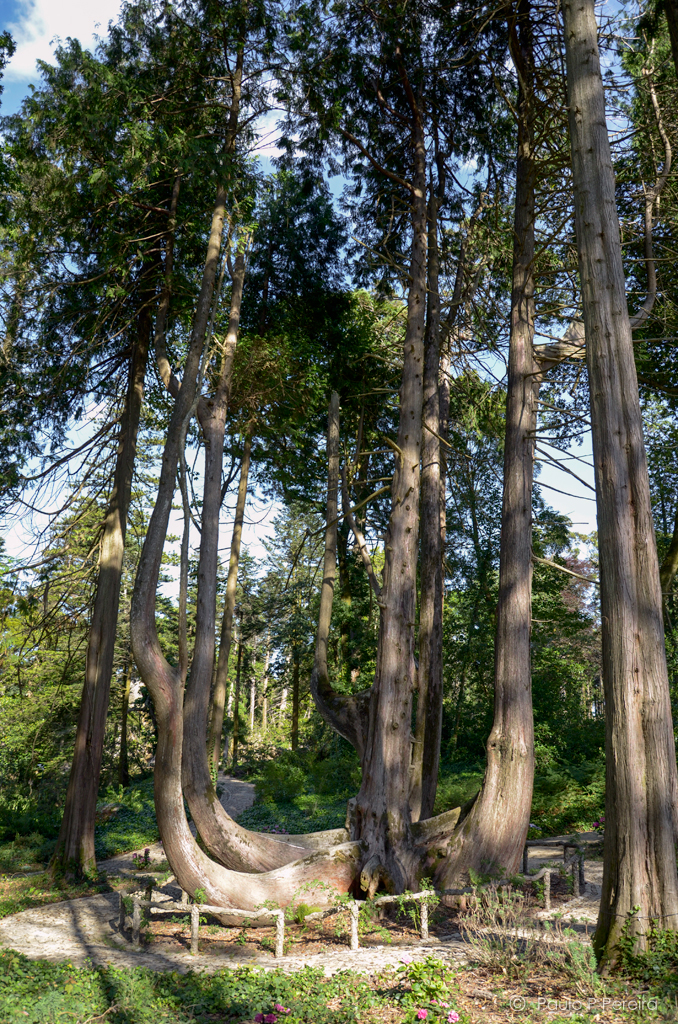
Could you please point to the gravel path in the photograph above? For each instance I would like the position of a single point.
(87, 930)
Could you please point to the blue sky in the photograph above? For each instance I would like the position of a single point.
(34, 24)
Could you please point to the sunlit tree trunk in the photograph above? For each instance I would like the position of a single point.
(493, 834)
(74, 853)
(426, 752)
(382, 818)
(640, 885)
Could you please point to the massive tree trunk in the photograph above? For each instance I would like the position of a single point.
(220, 686)
(640, 885)
(493, 834)
(382, 818)
(429, 720)
(74, 853)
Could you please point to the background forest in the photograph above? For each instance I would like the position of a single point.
(108, 179)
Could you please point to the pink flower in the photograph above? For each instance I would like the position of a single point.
(422, 1014)
(452, 1017)
(270, 1018)
(280, 1008)
(406, 959)
(259, 1017)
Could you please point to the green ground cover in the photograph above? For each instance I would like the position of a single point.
(36, 992)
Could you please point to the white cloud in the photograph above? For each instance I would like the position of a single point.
(43, 20)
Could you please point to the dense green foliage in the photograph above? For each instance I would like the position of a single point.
(41, 992)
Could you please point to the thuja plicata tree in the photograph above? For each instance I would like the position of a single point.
(388, 362)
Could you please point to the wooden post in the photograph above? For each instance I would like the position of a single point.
(575, 877)
(354, 910)
(121, 922)
(424, 920)
(582, 879)
(136, 922)
(195, 924)
(280, 933)
(184, 896)
(547, 890)
(525, 859)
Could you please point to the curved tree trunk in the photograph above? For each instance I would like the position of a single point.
(193, 868)
(74, 853)
(220, 686)
(493, 834)
(233, 846)
(640, 885)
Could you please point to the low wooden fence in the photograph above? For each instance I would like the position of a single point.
(353, 906)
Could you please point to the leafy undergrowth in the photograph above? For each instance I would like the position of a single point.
(567, 797)
(36, 992)
(131, 822)
(299, 791)
(24, 853)
(33, 992)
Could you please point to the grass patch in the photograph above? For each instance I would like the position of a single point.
(38, 992)
(17, 894)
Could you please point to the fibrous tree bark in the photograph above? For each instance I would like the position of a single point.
(74, 854)
(492, 836)
(640, 884)
(382, 813)
(221, 681)
(428, 726)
